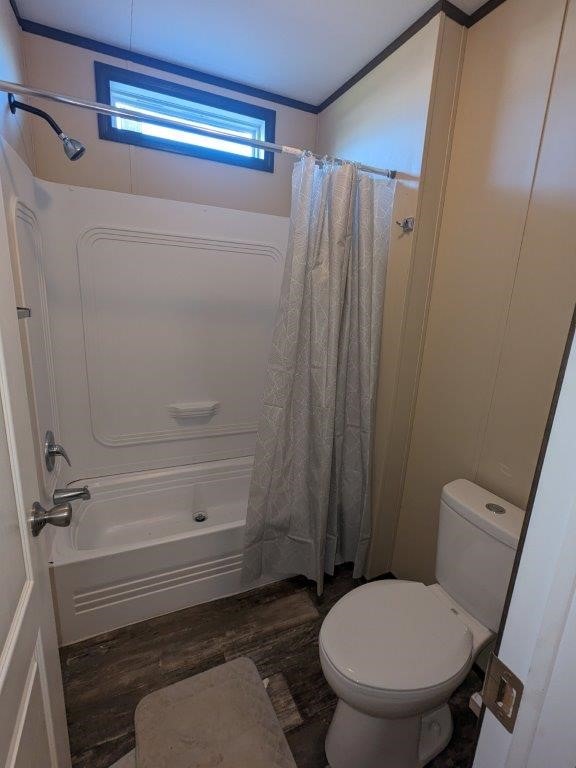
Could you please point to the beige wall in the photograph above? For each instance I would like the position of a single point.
(381, 120)
(13, 128)
(119, 167)
(505, 277)
(405, 330)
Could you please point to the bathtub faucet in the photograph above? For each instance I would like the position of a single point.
(62, 495)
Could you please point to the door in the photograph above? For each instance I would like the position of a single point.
(539, 638)
(32, 717)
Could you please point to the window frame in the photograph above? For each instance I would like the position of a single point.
(104, 73)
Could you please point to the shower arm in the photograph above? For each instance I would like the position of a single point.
(73, 148)
(14, 104)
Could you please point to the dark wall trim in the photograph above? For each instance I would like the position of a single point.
(441, 6)
(455, 13)
(16, 11)
(484, 10)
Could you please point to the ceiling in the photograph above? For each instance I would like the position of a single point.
(301, 49)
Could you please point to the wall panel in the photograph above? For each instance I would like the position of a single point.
(15, 129)
(542, 301)
(508, 69)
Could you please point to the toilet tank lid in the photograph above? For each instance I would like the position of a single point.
(471, 501)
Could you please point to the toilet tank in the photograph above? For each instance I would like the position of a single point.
(477, 540)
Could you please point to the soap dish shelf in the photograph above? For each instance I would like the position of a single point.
(202, 409)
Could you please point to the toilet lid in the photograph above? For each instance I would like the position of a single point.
(395, 635)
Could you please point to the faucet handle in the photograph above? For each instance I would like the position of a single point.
(53, 449)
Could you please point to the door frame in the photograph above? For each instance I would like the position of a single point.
(30, 651)
(533, 661)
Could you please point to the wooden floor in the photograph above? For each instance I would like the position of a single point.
(277, 626)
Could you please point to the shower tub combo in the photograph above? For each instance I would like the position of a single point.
(148, 543)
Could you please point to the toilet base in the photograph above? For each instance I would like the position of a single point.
(357, 740)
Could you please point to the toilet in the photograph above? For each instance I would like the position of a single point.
(394, 651)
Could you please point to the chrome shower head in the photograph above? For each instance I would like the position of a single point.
(74, 149)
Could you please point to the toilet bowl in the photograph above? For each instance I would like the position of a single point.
(393, 678)
(395, 651)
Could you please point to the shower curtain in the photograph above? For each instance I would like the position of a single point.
(309, 502)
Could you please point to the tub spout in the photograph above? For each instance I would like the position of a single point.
(62, 495)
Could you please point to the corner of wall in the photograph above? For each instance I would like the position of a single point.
(13, 129)
(443, 102)
(506, 79)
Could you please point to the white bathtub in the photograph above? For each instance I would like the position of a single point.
(135, 549)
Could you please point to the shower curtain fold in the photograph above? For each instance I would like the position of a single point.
(309, 503)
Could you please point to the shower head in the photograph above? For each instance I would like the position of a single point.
(74, 149)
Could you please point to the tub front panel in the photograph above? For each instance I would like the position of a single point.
(97, 594)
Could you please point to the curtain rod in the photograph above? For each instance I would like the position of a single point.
(106, 109)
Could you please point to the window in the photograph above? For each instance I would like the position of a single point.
(160, 98)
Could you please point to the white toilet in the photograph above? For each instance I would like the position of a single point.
(395, 651)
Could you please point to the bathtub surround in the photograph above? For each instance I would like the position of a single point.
(178, 297)
(276, 626)
(309, 502)
(151, 323)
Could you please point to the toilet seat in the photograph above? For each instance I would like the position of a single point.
(396, 639)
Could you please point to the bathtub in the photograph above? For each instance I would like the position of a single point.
(148, 543)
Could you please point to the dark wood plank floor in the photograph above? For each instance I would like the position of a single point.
(277, 626)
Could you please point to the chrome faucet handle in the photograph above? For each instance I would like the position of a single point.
(51, 450)
(70, 494)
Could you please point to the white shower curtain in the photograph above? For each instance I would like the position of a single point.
(309, 504)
